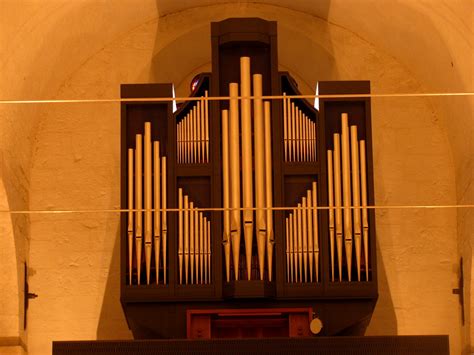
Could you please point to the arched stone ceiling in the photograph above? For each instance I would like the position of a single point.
(434, 40)
(47, 41)
(406, 29)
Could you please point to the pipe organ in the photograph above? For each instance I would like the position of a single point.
(354, 177)
(193, 135)
(140, 221)
(255, 163)
(246, 202)
(299, 134)
(193, 243)
(302, 244)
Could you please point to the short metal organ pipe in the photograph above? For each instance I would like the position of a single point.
(365, 217)
(180, 234)
(157, 202)
(354, 195)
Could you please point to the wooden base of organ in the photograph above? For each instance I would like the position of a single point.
(367, 345)
(190, 274)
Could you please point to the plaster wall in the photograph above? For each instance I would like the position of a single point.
(37, 56)
(76, 166)
(72, 150)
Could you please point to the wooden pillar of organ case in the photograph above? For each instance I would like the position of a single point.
(231, 40)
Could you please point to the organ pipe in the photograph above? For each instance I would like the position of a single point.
(301, 136)
(307, 137)
(186, 220)
(314, 191)
(193, 135)
(206, 250)
(247, 183)
(180, 235)
(365, 217)
(338, 200)
(260, 173)
(356, 195)
(148, 203)
(208, 234)
(300, 242)
(292, 250)
(287, 233)
(304, 233)
(138, 203)
(285, 126)
(226, 190)
(293, 132)
(191, 240)
(130, 214)
(203, 131)
(269, 188)
(206, 125)
(331, 210)
(164, 228)
(295, 245)
(234, 147)
(197, 137)
(197, 245)
(309, 218)
(201, 248)
(346, 189)
(157, 201)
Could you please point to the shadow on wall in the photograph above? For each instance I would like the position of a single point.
(384, 320)
(112, 323)
(9, 279)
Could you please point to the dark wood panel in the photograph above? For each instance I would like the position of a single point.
(373, 345)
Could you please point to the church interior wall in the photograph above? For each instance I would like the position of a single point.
(66, 156)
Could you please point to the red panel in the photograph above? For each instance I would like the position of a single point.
(200, 327)
(299, 325)
(248, 323)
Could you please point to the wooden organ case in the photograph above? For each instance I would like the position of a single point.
(275, 261)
